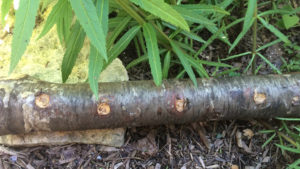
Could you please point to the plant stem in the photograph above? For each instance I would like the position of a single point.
(254, 39)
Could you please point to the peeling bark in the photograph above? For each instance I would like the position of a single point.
(28, 105)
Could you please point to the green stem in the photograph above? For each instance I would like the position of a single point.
(254, 40)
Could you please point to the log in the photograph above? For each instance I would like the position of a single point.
(28, 105)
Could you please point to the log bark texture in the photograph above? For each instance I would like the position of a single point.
(28, 105)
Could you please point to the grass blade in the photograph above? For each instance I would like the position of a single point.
(293, 150)
(74, 44)
(137, 61)
(116, 32)
(268, 141)
(182, 57)
(269, 63)
(163, 11)
(86, 14)
(274, 30)
(25, 21)
(153, 53)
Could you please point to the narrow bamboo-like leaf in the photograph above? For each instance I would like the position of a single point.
(198, 66)
(25, 21)
(153, 53)
(182, 57)
(268, 44)
(95, 58)
(6, 4)
(249, 14)
(201, 8)
(274, 30)
(86, 14)
(95, 68)
(240, 36)
(288, 119)
(63, 24)
(137, 61)
(192, 16)
(74, 44)
(102, 11)
(124, 41)
(54, 15)
(163, 11)
(116, 32)
(268, 141)
(167, 61)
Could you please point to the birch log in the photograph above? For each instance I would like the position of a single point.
(28, 105)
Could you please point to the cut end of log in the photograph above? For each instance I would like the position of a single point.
(180, 105)
(103, 109)
(42, 101)
(259, 98)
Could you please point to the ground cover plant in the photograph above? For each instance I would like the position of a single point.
(175, 38)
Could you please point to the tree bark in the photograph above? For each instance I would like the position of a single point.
(28, 105)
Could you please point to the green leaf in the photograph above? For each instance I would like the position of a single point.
(192, 16)
(103, 11)
(293, 150)
(116, 32)
(163, 11)
(95, 68)
(166, 67)
(290, 21)
(25, 21)
(248, 21)
(53, 17)
(201, 8)
(6, 4)
(182, 57)
(288, 119)
(269, 63)
(63, 24)
(240, 36)
(274, 30)
(137, 61)
(74, 44)
(268, 141)
(86, 14)
(121, 45)
(153, 53)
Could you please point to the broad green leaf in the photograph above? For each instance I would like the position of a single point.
(95, 68)
(54, 15)
(182, 57)
(63, 24)
(25, 21)
(121, 45)
(201, 8)
(290, 21)
(163, 11)
(192, 16)
(153, 53)
(198, 66)
(6, 4)
(74, 44)
(103, 11)
(274, 30)
(167, 61)
(86, 14)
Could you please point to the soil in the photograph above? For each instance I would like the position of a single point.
(215, 144)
